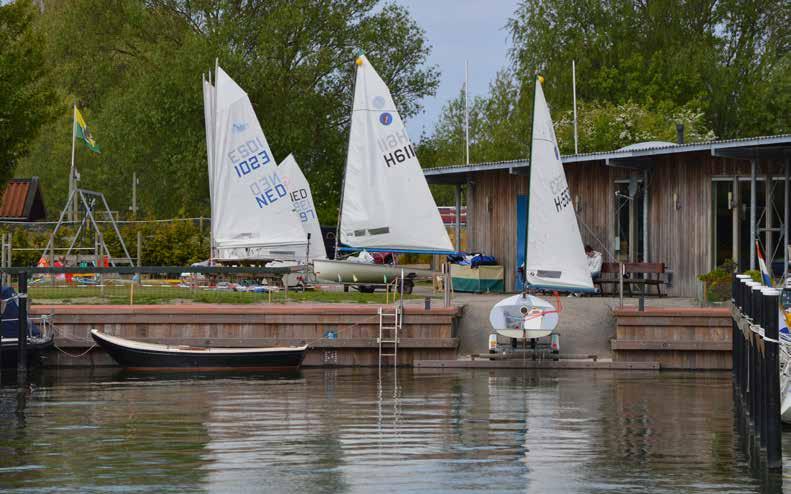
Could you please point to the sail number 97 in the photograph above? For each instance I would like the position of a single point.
(249, 156)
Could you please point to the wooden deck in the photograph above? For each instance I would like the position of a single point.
(427, 334)
(676, 338)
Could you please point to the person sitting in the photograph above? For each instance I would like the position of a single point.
(594, 261)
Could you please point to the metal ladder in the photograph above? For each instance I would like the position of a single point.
(389, 328)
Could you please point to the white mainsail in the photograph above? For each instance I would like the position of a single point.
(302, 199)
(208, 115)
(387, 204)
(555, 256)
(252, 214)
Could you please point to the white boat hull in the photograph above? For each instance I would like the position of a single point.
(335, 271)
(523, 317)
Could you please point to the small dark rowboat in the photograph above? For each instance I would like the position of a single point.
(136, 355)
(35, 348)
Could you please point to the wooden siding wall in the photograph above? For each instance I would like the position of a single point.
(681, 238)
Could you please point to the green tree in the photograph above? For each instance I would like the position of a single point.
(499, 126)
(25, 98)
(728, 58)
(136, 69)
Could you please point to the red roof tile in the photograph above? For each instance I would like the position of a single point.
(14, 198)
(21, 200)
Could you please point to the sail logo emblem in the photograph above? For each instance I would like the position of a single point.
(238, 127)
(379, 102)
(385, 118)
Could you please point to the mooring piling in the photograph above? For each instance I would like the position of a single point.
(756, 364)
(21, 362)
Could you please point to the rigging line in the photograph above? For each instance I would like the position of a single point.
(74, 355)
(603, 246)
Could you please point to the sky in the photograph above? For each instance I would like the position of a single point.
(457, 30)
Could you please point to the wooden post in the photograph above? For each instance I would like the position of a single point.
(458, 217)
(753, 202)
(22, 326)
(774, 428)
(1, 325)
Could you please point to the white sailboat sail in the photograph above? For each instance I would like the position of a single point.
(302, 199)
(555, 254)
(252, 214)
(208, 114)
(387, 204)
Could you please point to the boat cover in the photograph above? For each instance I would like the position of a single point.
(11, 315)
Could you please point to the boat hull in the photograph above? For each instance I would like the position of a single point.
(335, 271)
(135, 355)
(523, 317)
(36, 348)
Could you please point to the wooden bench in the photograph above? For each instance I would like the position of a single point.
(652, 275)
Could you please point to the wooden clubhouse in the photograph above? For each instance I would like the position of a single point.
(686, 206)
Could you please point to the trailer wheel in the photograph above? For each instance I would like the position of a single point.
(408, 286)
(366, 288)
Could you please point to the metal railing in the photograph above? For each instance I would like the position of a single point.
(128, 285)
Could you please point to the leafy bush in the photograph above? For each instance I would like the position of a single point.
(177, 243)
(718, 281)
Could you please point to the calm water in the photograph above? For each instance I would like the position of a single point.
(341, 431)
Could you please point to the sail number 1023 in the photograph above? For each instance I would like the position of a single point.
(249, 156)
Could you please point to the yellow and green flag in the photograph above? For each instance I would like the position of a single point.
(81, 128)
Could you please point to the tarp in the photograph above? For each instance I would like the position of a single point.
(11, 316)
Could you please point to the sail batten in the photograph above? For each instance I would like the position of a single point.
(387, 204)
(555, 258)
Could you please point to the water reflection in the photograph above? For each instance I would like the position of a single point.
(356, 430)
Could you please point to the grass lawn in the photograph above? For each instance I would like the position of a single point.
(164, 294)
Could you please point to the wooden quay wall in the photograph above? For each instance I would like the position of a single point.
(676, 338)
(426, 334)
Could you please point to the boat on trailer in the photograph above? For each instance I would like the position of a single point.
(386, 204)
(555, 259)
(364, 274)
(137, 355)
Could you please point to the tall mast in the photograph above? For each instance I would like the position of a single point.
(357, 61)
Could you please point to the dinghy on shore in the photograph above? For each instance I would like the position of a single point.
(555, 259)
(386, 204)
(253, 216)
(137, 355)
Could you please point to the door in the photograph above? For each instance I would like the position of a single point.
(521, 239)
(629, 224)
(725, 222)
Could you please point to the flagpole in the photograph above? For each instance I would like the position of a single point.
(72, 185)
(574, 89)
(466, 113)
